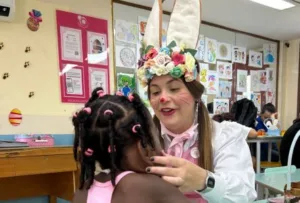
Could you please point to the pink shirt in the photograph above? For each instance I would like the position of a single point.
(184, 145)
(102, 192)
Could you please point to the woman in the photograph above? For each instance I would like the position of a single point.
(209, 161)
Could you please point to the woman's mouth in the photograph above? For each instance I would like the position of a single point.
(167, 111)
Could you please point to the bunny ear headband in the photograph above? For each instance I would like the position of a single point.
(176, 59)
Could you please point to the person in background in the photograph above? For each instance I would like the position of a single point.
(286, 144)
(267, 112)
(118, 133)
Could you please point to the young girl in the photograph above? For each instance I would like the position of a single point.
(118, 132)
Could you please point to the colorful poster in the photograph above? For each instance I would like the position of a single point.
(224, 51)
(224, 70)
(239, 54)
(204, 99)
(270, 96)
(221, 106)
(82, 39)
(126, 31)
(98, 78)
(71, 44)
(213, 83)
(224, 89)
(125, 56)
(126, 83)
(255, 83)
(263, 80)
(255, 59)
(256, 98)
(241, 81)
(200, 48)
(97, 48)
(271, 74)
(270, 52)
(210, 51)
(204, 74)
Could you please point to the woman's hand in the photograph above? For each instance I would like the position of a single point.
(179, 172)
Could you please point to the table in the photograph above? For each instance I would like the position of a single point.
(263, 139)
(31, 172)
(274, 182)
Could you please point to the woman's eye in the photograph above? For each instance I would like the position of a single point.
(155, 93)
(174, 89)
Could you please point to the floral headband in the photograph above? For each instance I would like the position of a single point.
(173, 60)
(177, 59)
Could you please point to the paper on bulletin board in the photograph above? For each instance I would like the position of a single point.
(82, 41)
(126, 31)
(200, 48)
(241, 85)
(210, 50)
(270, 52)
(213, 83)
(224, 89)
(255, 83)
(239, 54)
(224, 51)
(263, 80)
(221, 106)
(98, 78)
(125, 56)
(255, 59)
(224, 70)
(204, 74)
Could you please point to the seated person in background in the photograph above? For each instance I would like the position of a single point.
(118, 132)
(267, 112)
(286, 143)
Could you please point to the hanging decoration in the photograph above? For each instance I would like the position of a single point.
(15, 117)
(33, 22)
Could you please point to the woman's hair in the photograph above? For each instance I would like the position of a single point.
(104, 128)
(204, 121)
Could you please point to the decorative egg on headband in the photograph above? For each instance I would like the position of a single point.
(33, 22)
(177, 58)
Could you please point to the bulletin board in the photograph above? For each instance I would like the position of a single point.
(83, 55)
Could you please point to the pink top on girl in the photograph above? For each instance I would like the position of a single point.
(102, 192)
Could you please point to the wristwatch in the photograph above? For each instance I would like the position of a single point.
(209, 183)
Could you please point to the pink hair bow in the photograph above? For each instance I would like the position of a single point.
(101, 93)
(89, 152)
(130, 97)
(36, 15)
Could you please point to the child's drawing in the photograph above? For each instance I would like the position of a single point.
(204, 74)
(200, 48)
(224, 89)
(221, 106)
(224, 51)
(255, 59)
(270, 53)
(256, 98)
(263, 80)
(126, 31)
(241, 80)
(255, 84)
(210, 51)
(239, 54)
(213, 83)
(224, 70)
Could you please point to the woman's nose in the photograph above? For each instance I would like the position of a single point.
(164, 98)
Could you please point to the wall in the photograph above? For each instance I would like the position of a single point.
(44, 113)
(289, 82)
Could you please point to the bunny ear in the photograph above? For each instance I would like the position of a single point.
(184, 26)
(153, 30)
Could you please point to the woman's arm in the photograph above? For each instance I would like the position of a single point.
(146, 188)
(252, 133)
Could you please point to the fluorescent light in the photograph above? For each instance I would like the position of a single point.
(277, 4)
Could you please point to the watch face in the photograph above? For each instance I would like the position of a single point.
(211, 182)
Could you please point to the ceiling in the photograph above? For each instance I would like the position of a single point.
(246, 16)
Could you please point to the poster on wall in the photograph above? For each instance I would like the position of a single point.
(98, 78)
(126, 31)
(256, 98)
(125, 56)
(200, 48)
(71, 46)
(224, 70)
(263, 80)
(255, 83)
(221, 106)
(255, 59)
(83, 55)
(224, 51)
(126, 83)
(204, 74)
(213, 83)
(241, 85)
(270, 51)
(239, 54)
(210, 50)
(224, 89)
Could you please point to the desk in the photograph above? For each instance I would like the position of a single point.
(258, 141)
(274, 182)
(31, 172)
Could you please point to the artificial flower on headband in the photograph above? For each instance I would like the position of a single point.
(177, 58)
(173, 60)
